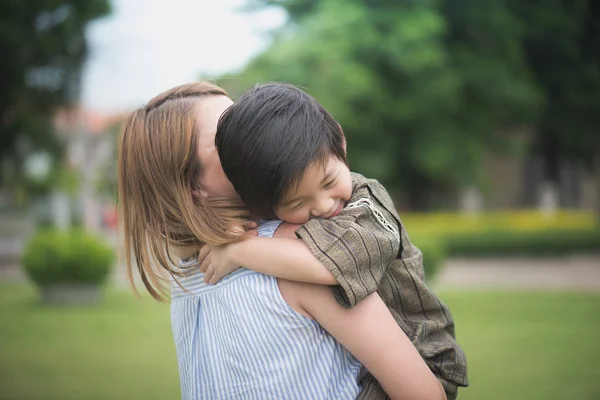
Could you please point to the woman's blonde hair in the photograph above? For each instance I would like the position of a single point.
(159, 174)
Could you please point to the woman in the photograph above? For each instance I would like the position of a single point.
(250, 336)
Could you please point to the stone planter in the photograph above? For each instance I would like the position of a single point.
(71, 294)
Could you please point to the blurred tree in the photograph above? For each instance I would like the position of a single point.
(43, 48)
(418, 96)
(562, 46)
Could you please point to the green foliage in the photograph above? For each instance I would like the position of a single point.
(531, 244)
(456, 223)
(423, 89)
(504, 234)
(560, 42)
(43, 48)
(64, 179)
(417, 100)
(73, 256)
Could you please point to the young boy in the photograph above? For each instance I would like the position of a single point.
(286, 157)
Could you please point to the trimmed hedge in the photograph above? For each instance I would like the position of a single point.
(72, 256)
(516, 243)
(453, 223)
(504, 244)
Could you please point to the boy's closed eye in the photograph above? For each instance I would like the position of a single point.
(297, 206)
(329, 184)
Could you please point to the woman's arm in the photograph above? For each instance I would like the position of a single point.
(372, 335)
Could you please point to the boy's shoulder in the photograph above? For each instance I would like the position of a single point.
(363, 187)
(360, 181)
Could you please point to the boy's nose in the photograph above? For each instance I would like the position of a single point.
(321, 208)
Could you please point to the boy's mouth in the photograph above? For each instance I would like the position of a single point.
(337, 210)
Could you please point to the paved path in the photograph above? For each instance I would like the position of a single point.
(577, 272)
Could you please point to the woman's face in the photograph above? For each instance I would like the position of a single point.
(213, 181)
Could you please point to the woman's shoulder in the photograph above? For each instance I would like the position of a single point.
(267, 228)
(294, 294)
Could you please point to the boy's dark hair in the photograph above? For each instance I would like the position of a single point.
(269, 138)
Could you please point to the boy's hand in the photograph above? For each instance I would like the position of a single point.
(248, 228)
(216, 262)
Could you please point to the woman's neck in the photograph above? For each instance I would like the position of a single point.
(185, 253)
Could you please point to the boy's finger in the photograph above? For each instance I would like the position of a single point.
(208, 274)
(251, 225)
(252, 232)
(215, 278)
(204, 250)
(204, 265)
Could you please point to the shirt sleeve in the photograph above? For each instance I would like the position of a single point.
(356, 246)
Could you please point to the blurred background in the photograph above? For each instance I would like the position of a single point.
(481, 118)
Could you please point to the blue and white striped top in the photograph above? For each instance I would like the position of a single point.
(239, 339)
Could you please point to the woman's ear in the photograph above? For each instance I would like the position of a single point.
(199, 193)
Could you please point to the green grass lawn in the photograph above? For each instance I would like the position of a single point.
(529, 345)
(121, 350)
(519, 346)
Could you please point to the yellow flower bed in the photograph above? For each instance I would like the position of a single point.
(439, 223)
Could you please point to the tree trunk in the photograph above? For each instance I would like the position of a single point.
(596, 175)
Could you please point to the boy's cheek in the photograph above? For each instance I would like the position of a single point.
(292, 218)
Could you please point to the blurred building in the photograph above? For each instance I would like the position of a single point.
(519, 183)
(91, 153)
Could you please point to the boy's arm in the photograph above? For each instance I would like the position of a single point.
(357, 245)
(283, 258)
